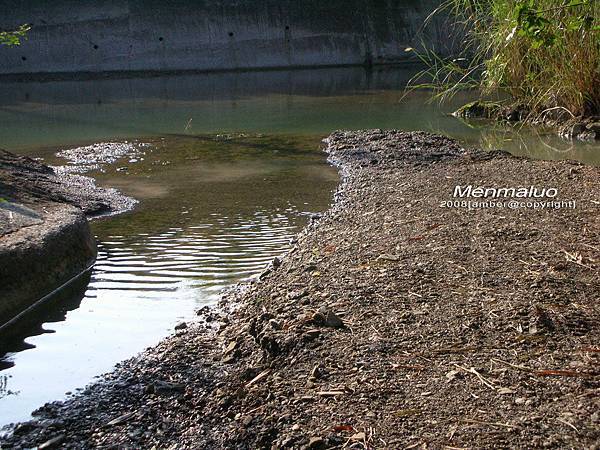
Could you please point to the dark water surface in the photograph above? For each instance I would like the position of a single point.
(308, 102)
(215, 205)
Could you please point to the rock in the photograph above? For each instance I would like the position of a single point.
(264, 274)
(181, 326)
(246, 421)
(165, 388)
(358, 436)
(452, 375)
(120, 420)
(478, 110)
(595, 127)
(386, 257)
(274, 324)
(295, 295)
(50, 443)
(230, 348)
(311, 335)
(316, 373)
(316, 443)
(26, 427)
(327, 318)
(505, 391)
(276, 263)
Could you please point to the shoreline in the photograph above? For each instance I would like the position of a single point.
(392, 322)
(41, 209)
(560, 120)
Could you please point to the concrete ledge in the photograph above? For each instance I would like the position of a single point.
(37, 259)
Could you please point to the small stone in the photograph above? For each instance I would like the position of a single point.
(181, 326)
(295, 295)
(120, 420)
(452, 375)
(275, 324)
(595, 127)
(295, 427)
(316, 373)
(50, 443)
(358, 437)
(246, 421)
(520, 400)
(165, 388)
(327, 318)
(26, 427)
(505, 391)
(311, 335)
(230, 348)
(386, 257)
(316, 443)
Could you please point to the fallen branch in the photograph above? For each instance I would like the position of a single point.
(478, 375)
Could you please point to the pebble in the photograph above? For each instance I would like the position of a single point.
(316, 443)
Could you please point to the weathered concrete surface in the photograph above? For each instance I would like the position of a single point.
(119, 35)
(37, 259)
(45, 239)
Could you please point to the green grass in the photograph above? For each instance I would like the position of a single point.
(545, 54)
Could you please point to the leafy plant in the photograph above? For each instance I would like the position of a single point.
(12, 38)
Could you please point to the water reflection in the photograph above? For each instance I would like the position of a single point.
(55, 309)
(310, 102)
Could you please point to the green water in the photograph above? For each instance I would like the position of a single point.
(307, 102)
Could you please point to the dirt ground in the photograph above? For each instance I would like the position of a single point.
(394, 322)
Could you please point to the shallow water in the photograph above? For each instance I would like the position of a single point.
(215, 206)
(212, 212)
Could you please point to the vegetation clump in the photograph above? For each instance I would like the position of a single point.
(14, 37)
(544, 53)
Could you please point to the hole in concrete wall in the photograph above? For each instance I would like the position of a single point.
(161, 39)
(95, 47)
(287, 27)
(24, 58)
(231, 34)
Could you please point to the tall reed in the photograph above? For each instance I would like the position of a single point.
(544, 53)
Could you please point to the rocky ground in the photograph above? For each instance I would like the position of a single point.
(27, 187)
(393, 323)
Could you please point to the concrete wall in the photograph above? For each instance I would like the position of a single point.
(137, 35)
(37, 259)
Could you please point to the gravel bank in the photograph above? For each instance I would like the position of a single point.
(393, 323)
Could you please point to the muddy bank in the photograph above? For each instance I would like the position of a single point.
(566, 125)
(45, 239)
(393, 322)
